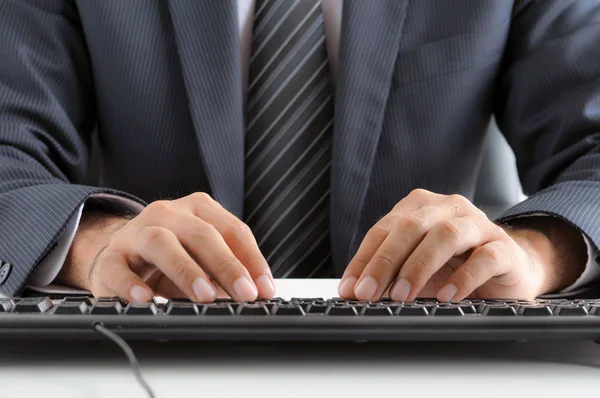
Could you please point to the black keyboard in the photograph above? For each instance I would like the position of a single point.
(305, 319)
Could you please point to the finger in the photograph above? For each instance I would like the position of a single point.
(208, 249)
(112, 276)
(238, 237)
(445, 240)
(160, 247)
(414, 215)
(416, 199)
(166, 288)
(487, 261)
(380, 263)
(374, 238)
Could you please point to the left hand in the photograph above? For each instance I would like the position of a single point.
(433, 245)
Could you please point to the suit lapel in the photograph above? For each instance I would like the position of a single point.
(207, 39)
(369, 46)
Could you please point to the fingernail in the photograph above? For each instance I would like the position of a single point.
(401, 290)
(447, 292)
(347, 287)
(265, 285)
(140, 294)
(203, 290)
(244, 289)
(366, 289)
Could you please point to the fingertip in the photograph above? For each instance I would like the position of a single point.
(366, 289)
(346, 287)
(204, 290)
(401, 290)
(266, 287)
(447, 293)
(140, 294)
(244, 289)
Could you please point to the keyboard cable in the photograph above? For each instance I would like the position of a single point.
(133, 362)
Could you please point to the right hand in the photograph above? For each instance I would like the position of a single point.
(180, 248)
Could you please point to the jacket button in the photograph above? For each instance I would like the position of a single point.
(4, 272)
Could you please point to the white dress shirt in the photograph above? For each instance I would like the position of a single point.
(47, 271)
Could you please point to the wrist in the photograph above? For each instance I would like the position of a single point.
(93, 234)
(557, 250)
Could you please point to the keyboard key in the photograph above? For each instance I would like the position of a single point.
(449, 310)
(570, 310)
(111, 300)
(6, 305)
(499, 310)
(178, 301)
(428, 304)
(141, 309)
(72, 308)
(287, 309)
(217, 309)
(345, 310)
(477, 301)
(33, 305)
(535, 310)
(78, 299)
(377, 311)
(252, 309)
(275, 300)
(317, 308)
(338, 300)
(468, 308)
(107, 308)
(307, 300)
(557, 302)
(594, 309)
(181, 308)
(412, 311)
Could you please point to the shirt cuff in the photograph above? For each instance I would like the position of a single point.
(47, 271)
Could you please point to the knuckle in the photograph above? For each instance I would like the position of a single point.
(419, 194)
(180, 268)
(153, 236)
(458, 201)
(237, 229)
(158, 208)
(201, 197)
(491, 254)
(386, 259)
(360, 262)
(419, 264)
(203, 230)
(227, 266)
(448, 231)
(470, 273)
(414, 222)
(381, 230)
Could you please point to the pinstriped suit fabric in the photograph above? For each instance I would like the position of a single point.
(417, 83)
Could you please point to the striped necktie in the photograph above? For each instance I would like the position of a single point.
(288, 138)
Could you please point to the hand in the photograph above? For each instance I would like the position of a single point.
(179, 248)
(440, 246)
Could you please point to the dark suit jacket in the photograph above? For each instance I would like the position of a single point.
(416, 86)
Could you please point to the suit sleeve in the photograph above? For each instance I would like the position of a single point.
(549, 110)
(47, 114)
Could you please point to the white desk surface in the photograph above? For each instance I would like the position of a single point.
(286, 370)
